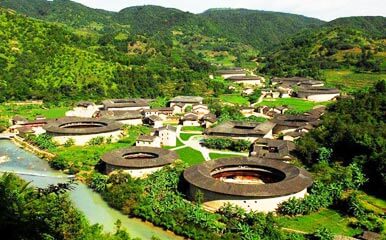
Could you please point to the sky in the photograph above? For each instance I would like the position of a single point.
(322, 9)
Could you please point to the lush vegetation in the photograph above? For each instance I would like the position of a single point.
(190, 156)
(158, 199)
(44, 213)
(354, 132)
(327, 48)
(239, 145)
(295, 105)
(221, 155)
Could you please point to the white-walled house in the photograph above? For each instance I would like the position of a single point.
(253, 81)
(190, 119)
(167, 135)
(200, 110)
(154, 121)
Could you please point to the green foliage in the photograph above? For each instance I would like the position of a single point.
(43, 141)
(157, 199)
(70, 142)
(323, 234)
(365, 219)
(30, 213)
(96, 141)
(324, 194)
(227, 143)
(354, 128)
(326, 48)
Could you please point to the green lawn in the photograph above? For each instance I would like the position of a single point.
(29, 111)
(186, 136)
(295, 104)
(190, 156)
(86, 157)
(327, 218)
(192, 128)
(234, 99)
(219, 155)
(178, 144)
(348, 80)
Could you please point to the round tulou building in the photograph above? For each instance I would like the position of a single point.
(254, 184)
(138, 161)
(82, 130)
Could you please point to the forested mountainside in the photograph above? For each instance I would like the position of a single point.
(373, 26)
(307, 53)
(50, 61)
(256, 28)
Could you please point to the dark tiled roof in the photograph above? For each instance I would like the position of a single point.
(154, 118)
(84, 104)
(231, 71)
(19, 118)
(120, 115)
(168, 127)
(295, 179)
(123, 103)
(244, 78)
(159, 157)
(272, 149)
(187, 99)
(237, 128)
(305, 91)
(146, 138)
(164, 109)
(294, 120)
(209, 117)
(101, 126)
(190, 117)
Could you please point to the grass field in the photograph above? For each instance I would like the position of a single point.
(85, 157)
(178, 144)
(190, 156)
(29, 111)
(295, 104)
(234, 99)
(327, 218)
(186, 136)
(219, 155)
(348, 80)
(192, 128)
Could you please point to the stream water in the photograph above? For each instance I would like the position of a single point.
(39, 173)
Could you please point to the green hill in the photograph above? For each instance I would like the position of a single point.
(256, 28)
(315, 53)
(374, 26)
(50, 61)
(260, 29)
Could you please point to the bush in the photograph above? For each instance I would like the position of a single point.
(70, 142)
(227, 143)
(59, 163)
(96, 141)
(43, 141)
(323, 234)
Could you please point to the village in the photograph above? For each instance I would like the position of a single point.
(252, 152)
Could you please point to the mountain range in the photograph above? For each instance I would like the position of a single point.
(162, 47)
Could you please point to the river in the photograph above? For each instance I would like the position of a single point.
(38, 171)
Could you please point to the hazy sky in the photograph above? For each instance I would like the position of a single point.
(322, 9)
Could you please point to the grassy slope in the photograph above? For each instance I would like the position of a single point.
(186, 136)
(234, 99)
(29, 111)
(348, 80)
(327, 218)
(295, 104)
(190, 156)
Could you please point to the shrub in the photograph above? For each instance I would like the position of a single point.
(43, 141)
(227, 143)
(323, 234)
(70, 142)
(96, 141)
(59, 163)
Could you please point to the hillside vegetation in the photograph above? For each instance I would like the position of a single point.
(337, 48)
(50, 61)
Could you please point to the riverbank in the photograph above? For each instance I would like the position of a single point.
(32, 168)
